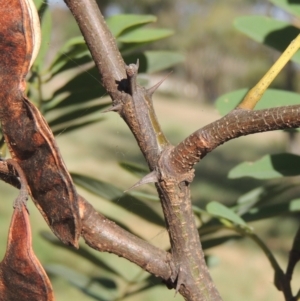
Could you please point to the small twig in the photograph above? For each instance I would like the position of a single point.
(255, 94)
(281, 281)
(294, 255)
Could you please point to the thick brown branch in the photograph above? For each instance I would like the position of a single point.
(189, 273)
(101, 43)
(121, 87)
(238, 122)
(104, 235)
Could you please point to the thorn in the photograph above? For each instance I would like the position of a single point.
(180, 280)
(149, 178)
(156, 86)
(116, 108)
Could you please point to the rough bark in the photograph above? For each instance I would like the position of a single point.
(184, 267)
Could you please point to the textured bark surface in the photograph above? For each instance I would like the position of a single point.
(238, 122)
(134, 104)
(32, 144)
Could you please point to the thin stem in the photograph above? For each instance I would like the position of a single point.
(267, 252)
(281, 282)
(255, 94)
(294, 257)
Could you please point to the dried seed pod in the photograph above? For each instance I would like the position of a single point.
(28, 136)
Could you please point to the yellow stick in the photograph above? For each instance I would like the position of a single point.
(255, 94)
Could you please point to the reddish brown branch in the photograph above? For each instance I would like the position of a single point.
(238, 122)
(106, 55)
(104, 235)
(126, 94)
(189, 272)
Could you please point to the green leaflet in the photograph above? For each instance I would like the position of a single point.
(219, 210)
(268, 167)
(144, 35)
(274, 33)
(289, 6)
(119, 23)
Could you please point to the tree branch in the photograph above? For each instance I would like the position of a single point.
(255, 94)
(239, 122)
(190, 274)
(106, 55)
(104, 235)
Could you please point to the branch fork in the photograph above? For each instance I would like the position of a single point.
(171, 167)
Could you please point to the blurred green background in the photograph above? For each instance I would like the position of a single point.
(218, 59)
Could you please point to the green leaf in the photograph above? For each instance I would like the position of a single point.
(219, 210)
(78, 98)
(144, 195)
(136, 169)
(76, 114)
(38, 3)
(83, 81)
(116, 195)
(119, 23)
(211, 243)
(155, 61)
(77, 58)
(271, 32)
(268, 167)
(143, 35)
(63, 129)
(293, 7)
(268, 211)
(249, 200)
(148, 283)
(72, 54)
(81, 89)
(98, 288)
(74, 277)
(198, 211)
(271, 98)
(82, 251)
